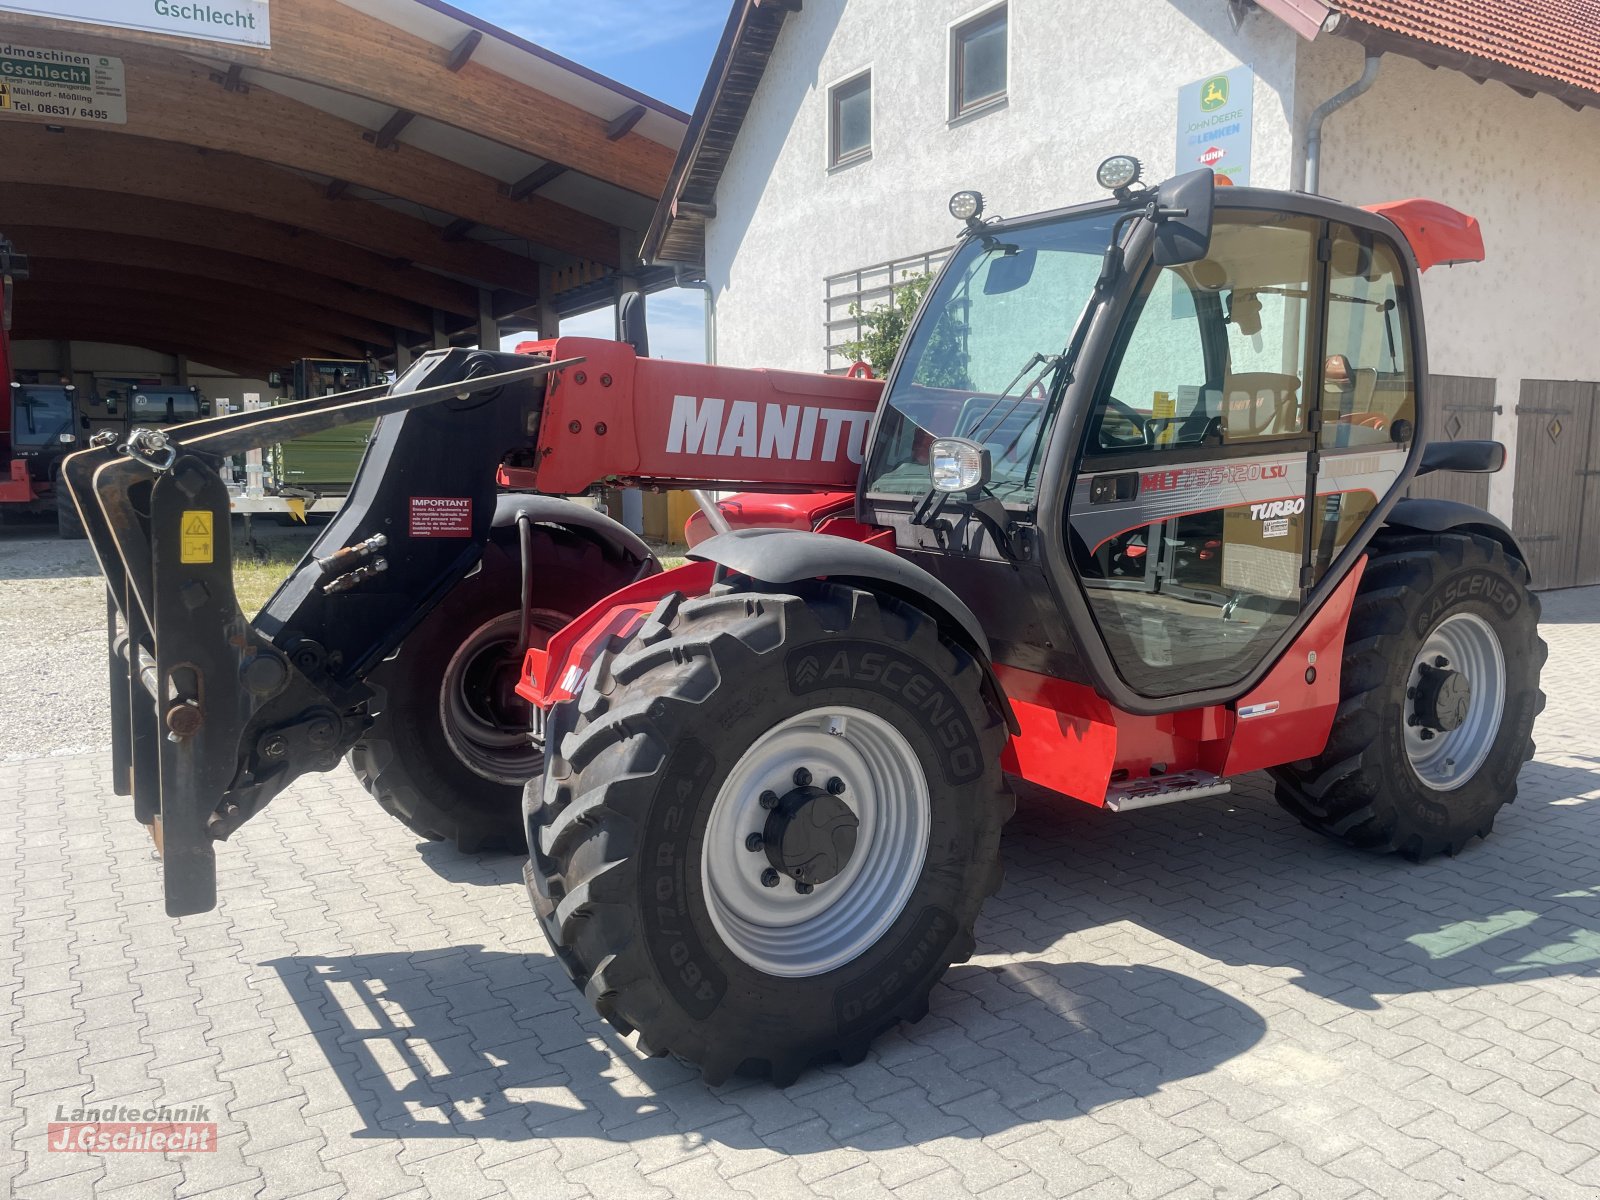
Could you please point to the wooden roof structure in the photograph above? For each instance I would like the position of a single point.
(388, 173)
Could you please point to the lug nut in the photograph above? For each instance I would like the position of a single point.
(804, 889)
(1441, 662)
(802, 777)
(769, 877)
(836, 786)
(769, 799)
(754, 842)
(1426, 734)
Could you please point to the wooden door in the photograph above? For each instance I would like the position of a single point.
(1556, 505)
(1457, 408)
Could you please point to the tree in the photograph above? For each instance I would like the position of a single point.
(943, 361)
(884, 328)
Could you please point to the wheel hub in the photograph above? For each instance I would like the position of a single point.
(810, 835)
(1444, 697)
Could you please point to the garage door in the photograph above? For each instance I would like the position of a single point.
(1457, 408)
(1556, 499)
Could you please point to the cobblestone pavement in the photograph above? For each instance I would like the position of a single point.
(1201, 1000)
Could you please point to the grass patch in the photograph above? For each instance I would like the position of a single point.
(255, 579)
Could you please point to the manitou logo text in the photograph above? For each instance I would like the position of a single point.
(1277, 508)
(745, 429)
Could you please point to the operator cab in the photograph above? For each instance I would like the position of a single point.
(1145, 436)
(42, 431)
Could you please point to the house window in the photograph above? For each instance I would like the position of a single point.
(850, 120)
(978, 62)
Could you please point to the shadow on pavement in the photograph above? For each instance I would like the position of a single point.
(468, 1043)
(1238, 881)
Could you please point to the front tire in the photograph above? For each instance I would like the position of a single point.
(1438, 695)
(739, 746)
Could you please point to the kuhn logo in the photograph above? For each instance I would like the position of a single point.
(1213, 156)
(1277, 508)
(745, 429)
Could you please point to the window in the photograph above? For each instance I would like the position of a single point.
(850, 120)
(978, 63)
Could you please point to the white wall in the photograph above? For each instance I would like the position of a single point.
(1082, 86)
(1527, 168)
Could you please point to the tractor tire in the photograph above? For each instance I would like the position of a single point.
(69, 524)
(1419, 762)
(448, 750)
(742, 732)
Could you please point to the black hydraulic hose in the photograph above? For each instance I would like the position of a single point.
(525, 543)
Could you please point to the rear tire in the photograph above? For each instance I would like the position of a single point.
(441, 756)
(660, 761)
(1378, 785)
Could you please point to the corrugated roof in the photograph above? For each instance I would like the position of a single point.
(1557, 40)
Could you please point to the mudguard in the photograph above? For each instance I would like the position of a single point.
(581, 519)
(790, 555)
(1436, 516)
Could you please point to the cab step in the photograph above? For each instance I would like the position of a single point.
(1164, 789)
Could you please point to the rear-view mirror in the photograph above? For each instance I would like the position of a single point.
(1185, 203)
(1008, 272)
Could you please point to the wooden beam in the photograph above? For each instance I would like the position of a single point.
(306, 259)
(335, 188)
(166, 171)
(140, 255)
(457, 229)
(161, 285)
(274, 128)
(535, 180)
(392, 128)
(462, 54)
(623, 125)
(181, 312)
(330, 44)
(232, 80)
(164, 340)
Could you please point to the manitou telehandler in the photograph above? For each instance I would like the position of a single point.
(1126, 519)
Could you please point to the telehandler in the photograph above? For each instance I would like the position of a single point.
(1127, 518)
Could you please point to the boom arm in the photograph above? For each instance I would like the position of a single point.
(214, 714)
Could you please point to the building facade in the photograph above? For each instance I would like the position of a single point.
(866, 116)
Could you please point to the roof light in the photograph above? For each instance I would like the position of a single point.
(1118, 172)
(966, 206)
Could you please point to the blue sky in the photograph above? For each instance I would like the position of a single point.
(663, 49)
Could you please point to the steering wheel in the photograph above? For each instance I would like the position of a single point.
(1132, 417)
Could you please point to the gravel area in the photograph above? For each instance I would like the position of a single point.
(52, 642)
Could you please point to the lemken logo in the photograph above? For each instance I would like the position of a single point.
(745, 429)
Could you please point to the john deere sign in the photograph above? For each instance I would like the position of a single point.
(1214, 124)
(61, 85)
(242, 21)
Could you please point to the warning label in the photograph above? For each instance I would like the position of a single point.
(441, 516)
(195, 544)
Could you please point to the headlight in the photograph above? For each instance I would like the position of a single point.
(69, 438)
(966, 206)
(1118, 172)
(958, 465)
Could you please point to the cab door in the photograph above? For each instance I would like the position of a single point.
(1188, 513)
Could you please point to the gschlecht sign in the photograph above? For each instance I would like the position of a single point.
(243, 22)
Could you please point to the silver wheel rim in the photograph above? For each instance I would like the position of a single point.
(1448, 759)
(491, 736)
(778, 930)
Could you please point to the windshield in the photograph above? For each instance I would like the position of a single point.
(154, 405)
(40, 414)
(970, 368)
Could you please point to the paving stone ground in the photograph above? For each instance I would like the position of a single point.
(1201, 1000)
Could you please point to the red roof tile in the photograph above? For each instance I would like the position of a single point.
(1558, 40)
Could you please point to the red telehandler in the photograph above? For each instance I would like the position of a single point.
(1127, 518)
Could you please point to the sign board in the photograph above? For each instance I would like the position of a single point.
(1214, 124)
(243, 22)
(61, 85)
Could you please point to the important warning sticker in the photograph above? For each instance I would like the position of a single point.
(195, 543)
(441, 516)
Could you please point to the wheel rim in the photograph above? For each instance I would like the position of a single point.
(1445, 759)
(782, 930)
(486, 724)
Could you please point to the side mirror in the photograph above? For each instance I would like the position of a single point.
(1185, 204)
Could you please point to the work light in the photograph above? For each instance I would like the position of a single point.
(1118, 172)
(966, 206)
(958, 465)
